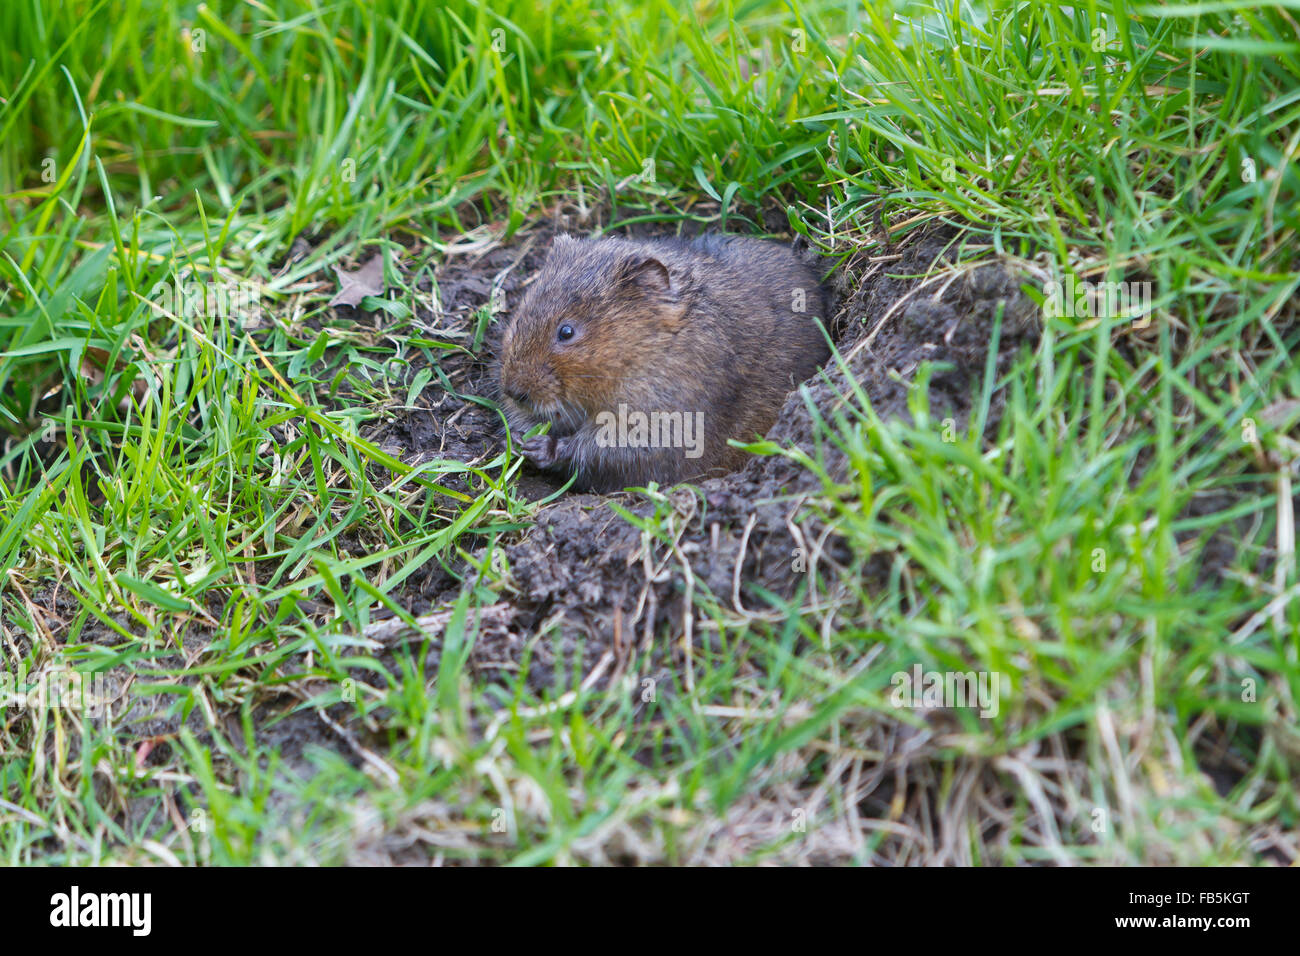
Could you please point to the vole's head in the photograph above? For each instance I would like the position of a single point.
(598, 313)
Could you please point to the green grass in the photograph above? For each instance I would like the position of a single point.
(211, 502)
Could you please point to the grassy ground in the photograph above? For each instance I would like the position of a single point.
(194, 509)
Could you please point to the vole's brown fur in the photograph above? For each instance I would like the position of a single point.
(711, 325)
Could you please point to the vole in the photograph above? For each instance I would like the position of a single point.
(645, 356)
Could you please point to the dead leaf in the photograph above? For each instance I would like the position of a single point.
(355, 286)
(94, 367)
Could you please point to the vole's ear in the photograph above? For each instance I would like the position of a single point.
(563, 243)
(650, 275)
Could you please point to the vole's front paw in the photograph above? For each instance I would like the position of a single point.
(544, 451)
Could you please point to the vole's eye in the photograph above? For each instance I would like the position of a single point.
(565, 332)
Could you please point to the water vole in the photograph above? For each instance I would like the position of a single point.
(646, 356)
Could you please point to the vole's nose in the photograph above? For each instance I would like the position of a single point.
(513, 391)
